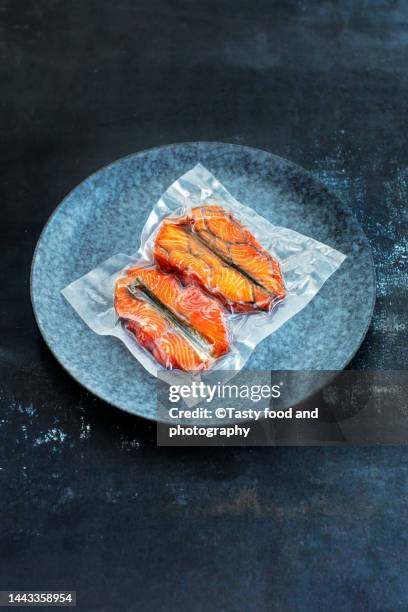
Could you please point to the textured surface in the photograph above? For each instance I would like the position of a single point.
(99, 218)
(87, 500)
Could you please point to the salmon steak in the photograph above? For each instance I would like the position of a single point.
(234, 243)
(156, 333)
(201, 314)
(180, 326)
(176, 249)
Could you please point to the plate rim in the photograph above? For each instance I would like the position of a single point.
(183, 143)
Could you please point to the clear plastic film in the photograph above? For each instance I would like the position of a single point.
(305, 265)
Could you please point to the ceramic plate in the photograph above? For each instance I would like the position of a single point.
(104, 215)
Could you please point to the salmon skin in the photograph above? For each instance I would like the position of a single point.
(176, 249)
(203, 316)
(156, 332)
(233, 242)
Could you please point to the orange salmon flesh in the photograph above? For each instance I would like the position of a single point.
(207, 261)
(178, 250)
(146, 316)
(226, 236)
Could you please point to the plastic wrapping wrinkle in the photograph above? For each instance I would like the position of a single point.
(253, 300)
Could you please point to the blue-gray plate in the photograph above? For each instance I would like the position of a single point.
(104, 215)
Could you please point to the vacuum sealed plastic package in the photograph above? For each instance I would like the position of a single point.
(211, 280)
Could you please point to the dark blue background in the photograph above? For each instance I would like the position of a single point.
(87, 500)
